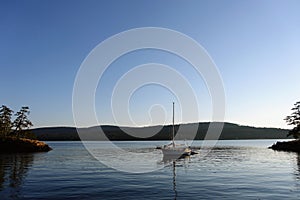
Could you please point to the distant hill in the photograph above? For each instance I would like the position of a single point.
(229, 132)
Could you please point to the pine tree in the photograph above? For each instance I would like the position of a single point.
(22, 122)
(5, 120)
(294, 119)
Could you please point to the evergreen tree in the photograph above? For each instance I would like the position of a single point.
(5, 120)
(294, 119)
(22, 122)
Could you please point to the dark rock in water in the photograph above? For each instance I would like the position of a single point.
(20, 145)
(293, 146)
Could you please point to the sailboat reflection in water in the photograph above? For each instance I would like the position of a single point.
(173, 162)
(175, 150)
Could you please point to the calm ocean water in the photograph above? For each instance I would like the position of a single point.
(232, 170)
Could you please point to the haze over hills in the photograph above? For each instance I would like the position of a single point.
(230, 131)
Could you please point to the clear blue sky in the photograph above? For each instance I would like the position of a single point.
(254, 43)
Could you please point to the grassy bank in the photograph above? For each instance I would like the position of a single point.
(19, 145)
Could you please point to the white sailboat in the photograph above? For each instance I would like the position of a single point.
(175, 150)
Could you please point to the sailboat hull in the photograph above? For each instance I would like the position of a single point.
(176, 152)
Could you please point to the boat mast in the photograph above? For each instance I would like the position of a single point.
(173, 132)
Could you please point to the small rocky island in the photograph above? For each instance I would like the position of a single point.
(20, 145)
(293, 119)
(15, 136)
(293, 146)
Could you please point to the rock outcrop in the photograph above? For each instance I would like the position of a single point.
(20, 145)
(287, 146)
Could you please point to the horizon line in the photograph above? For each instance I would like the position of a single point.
(147, 126)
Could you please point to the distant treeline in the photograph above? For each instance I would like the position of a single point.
(230, 132)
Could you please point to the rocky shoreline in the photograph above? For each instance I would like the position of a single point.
(22, 145)
(293, 146)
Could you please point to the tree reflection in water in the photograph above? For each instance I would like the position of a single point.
(297, 167)
(13, 170)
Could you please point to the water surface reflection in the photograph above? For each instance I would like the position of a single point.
(175, 162)
(13, 170)
(297, 166)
